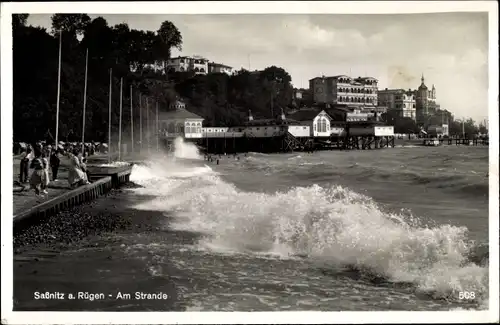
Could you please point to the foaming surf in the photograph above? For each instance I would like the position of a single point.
(330, 226)
(115, 164)
(185, 150)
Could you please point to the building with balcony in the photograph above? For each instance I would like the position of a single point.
(358, 92)
(219, 68)
(180, 122)
(398, 101)
(195, 64)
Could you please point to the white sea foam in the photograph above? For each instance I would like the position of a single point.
(115, 164)
(332, 226)
(185, 150)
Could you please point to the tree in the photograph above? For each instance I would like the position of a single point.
(170, 37)
(19, 20)
(482, 128)
(278, 84)
(71, 23)
(98, 39)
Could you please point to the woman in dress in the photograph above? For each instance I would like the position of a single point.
(76, 176)
(83, 166)
(38, 176)
(46, 181)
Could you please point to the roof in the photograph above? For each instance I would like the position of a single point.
(390, 90)
(219, 65)
(366, 78)
(341, 76)
(343, 108)
(178, 114)
(306, 114)
(366, 123)
(178, 102)
(189, 57)
(270, 121)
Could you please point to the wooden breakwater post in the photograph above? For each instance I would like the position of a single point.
(86, 193)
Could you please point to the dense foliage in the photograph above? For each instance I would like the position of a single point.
(219, 98)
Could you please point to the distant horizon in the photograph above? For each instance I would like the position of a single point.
(449, 49)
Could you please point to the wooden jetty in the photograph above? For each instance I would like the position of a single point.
(304, 130)
(453, 141)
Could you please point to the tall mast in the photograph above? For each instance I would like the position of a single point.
(157, 132)
(109, 112)
(120, 125)
(85, 101)
(58, 88)
(131, 121)
(140, 120)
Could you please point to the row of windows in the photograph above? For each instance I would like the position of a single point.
(321, 125)
(193, 129)
(182, 69)
(272, 128)
(405, 97)
(220, 130)
(404, 106)
(356, 90)
(367, 82)
(195, 61)
(355, 99)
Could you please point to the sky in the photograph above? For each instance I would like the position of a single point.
(449, 49)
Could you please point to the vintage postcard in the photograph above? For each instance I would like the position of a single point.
(314, 162)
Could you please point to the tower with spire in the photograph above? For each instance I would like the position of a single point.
(422, 103)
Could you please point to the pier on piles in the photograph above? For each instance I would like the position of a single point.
(366, 135)
(303, 130)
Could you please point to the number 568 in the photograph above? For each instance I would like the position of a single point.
(466, 295)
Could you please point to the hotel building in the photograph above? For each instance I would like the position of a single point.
(219, 68)
(196, 64)
(360, 93)
(400, 101)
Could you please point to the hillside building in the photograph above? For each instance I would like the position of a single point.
(401, 102)
(358, 92)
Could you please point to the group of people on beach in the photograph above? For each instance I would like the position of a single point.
(40, 158)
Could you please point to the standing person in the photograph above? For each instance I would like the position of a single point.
(46, 179)
(83, 166)
(38, 175)
(76, 176)
(24, 167)
(55, 162)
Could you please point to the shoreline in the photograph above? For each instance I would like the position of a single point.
(80, 250)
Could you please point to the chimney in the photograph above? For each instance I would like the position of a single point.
(250, 117)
